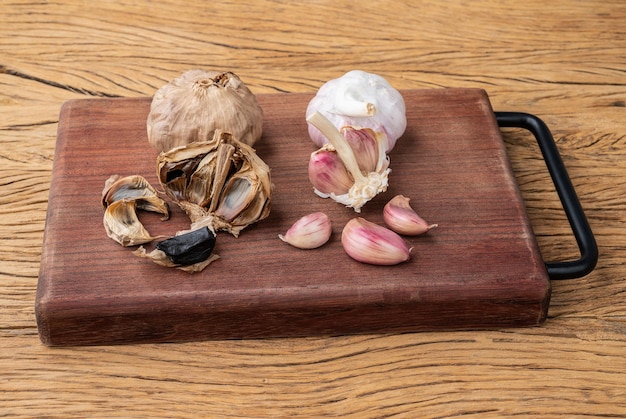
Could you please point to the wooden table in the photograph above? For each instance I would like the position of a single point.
(564, 61)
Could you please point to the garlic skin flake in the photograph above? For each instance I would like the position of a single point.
(309, 232)
(122, 225)
(363, 100)
(192, 106)
(121, 198)
(402, 218)
(352, 168)
(371, 243)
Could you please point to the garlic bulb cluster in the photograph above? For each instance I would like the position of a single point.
(352, 168)
(121, 198)
(362, 100)
(191, 107)
(221, 183)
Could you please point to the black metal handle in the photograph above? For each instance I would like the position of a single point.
(563, 185)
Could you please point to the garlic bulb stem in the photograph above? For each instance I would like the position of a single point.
(363, 100)
(349, 103)
(337, 140)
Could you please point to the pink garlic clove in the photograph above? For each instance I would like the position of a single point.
(371, 243)
(309, 232)
(402, 218)
(364, 144)
(328, 174)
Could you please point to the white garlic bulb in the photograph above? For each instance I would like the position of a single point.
(363, 100)
(191, 107)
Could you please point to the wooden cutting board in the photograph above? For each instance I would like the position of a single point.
(481, 268)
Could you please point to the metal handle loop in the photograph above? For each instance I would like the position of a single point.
(564, 188)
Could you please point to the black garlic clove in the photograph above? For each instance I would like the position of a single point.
(189, 248)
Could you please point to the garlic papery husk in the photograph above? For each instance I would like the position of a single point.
(191, 107)
(121, 198)
(309, 232)
(137, 188)
(360, 99)
(221, 184)
(369, 171)
(122, 225)
(402, 218)
(371, 243)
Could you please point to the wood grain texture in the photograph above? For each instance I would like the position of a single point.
(560, 60)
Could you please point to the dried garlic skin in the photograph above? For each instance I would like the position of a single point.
(221, 183)
(191, 107)
(121, 198)
(122, 225)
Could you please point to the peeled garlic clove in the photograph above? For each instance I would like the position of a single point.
(189, 251)
(371, 243)
(188, 248)
(402, 218)
(309, 232)
(327, 173)
(192, 106)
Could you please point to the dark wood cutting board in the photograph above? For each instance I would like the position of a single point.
(481, 268)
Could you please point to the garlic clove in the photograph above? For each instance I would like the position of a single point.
(371, 243)
(402, 218)
(309, 232)
(364, 144)
(328, 174)
(190, 247)
(190, 251)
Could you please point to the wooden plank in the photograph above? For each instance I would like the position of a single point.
(480, 268)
